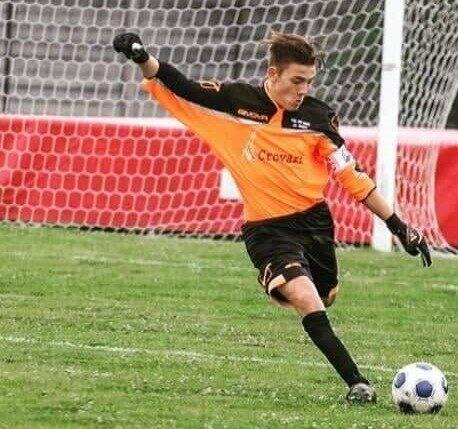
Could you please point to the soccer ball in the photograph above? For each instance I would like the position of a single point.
(419, 388)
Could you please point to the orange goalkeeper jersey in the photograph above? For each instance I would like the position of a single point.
(279, 170)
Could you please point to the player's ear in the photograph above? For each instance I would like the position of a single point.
(273, 73)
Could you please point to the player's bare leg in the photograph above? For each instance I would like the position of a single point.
(301, 294)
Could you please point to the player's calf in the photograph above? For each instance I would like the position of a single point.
(318, 328)
(291, 286)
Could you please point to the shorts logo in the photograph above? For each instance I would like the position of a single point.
(266, 276)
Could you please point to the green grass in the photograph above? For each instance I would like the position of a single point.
(108, 330)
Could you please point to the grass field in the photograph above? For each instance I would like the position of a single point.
(125, 331)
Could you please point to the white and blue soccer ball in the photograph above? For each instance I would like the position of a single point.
(419, 388)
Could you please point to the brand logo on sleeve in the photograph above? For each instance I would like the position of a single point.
(211, 85)
(335, 123)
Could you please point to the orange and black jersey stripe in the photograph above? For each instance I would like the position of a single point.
(251, 102)
(279, 159)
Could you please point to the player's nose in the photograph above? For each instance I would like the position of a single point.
(304, 89)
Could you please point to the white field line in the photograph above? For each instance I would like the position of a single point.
(195, 265)
(192, 265)
(190, 355)
(448, 288)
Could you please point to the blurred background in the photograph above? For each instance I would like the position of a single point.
(56, 55)
(82, 145)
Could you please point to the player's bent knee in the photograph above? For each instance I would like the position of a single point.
(303, 295)
(332, 295)
(273, 280)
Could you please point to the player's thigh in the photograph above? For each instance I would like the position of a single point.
(278, 254)
(320, 253)
(271, 244)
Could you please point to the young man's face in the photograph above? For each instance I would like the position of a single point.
(288, 86)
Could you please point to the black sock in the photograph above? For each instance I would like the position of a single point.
(320, 332)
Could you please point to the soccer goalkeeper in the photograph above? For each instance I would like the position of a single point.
(280, 146)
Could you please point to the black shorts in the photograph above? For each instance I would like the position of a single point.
(305, 238)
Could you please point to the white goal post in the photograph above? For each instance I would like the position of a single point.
(388, 114)
(81, 145)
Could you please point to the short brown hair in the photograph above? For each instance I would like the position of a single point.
(290, 48)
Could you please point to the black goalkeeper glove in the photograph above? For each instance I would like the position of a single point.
(131, 46)
(412, 241)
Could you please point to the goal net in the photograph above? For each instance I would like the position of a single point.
(81, 145)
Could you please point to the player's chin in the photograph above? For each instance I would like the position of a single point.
(294, 105)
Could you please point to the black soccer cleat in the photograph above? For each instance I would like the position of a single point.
(361, 393)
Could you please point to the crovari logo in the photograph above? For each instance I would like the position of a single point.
(251, 154)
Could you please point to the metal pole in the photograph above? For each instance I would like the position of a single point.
(388, 114)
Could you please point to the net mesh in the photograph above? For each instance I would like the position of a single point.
(57, 62)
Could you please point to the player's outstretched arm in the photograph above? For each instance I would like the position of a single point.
(212, 95)
(362, 188)
(412, 240)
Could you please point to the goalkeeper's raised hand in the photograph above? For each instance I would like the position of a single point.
(131, 46)
(412, 241)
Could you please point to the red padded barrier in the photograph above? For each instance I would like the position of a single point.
(153, 174)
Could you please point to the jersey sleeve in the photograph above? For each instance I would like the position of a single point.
(220, 133)
(347, 173)
(342, 163)
(210, 94)
(327, 123)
